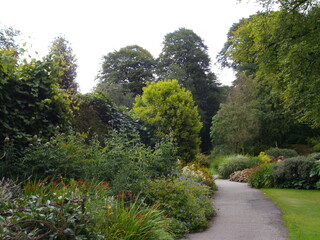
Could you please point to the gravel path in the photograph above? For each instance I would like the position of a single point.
(243, 213)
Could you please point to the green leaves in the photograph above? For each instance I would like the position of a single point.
(166, 108)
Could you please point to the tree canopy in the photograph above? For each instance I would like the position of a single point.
(283, 52)
(127, 69)
(168, 109)
(184, 57)
(62, 54)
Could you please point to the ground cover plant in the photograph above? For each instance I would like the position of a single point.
(301, 209)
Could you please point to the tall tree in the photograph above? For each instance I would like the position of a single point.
(291, 5)
(168, 109)
(237, 120)
(184, 57)
(127, 70)
(62, 54)
(284, 49)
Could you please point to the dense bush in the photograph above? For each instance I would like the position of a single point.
(295, 173)
(183, 199)
(50, 211)
(241, 176)
(262, 176)
(315, 172)
(277, 152)
(235, 163)
(199, 173)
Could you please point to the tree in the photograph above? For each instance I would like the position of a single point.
(184, 57)
(237, 120)
(291, 5)
(97, 115)
(62, 54)
(7, 40)
(168, 109)
(128, 69)
(284, 49)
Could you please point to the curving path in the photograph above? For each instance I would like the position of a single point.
(243, 213)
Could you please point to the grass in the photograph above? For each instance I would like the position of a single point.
(301, 210)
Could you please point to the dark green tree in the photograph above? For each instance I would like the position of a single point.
(62, 54)
(127, 70)
(168, 109)
(97, 115)
(237, 121)
(184, 57)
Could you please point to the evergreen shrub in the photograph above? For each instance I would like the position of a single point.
(277, 152)
(295, 173)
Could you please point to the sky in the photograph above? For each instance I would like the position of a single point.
(96, 27)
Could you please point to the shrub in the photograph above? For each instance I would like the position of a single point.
(235, 163)
(277, 152)
(200, 174)
(262, 176)
(295, 173)
(264, 158)
(241, 176)
(315, 172)
(183, 199)
(216, 161)
(202, 160)
(65, 154)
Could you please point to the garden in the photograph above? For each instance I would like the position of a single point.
(135, 158)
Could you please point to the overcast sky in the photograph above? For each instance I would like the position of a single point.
(96, 27)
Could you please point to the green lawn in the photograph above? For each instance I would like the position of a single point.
(301, 210)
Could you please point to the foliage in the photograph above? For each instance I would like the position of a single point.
(7, 40)
(135, 221)
(235, 163)
(62, 55)
(32, 105)
(97, 115)
(315, 172)
(241, 176)
(54, 211)
(270, 41)
(262, 176)
(131, 67)
(216, 161)
(237, 120)
(295, 173)
(168, 109)
(184, 57)
(301, 209)
(265, 158)
(289, 5)
(203, 160)
(199, 173)
(183, 199)
(164, 159)
(277, 152)
(65, 154)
